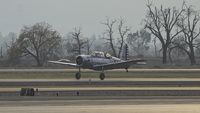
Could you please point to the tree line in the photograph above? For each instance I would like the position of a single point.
(168, 30)
(175, 29)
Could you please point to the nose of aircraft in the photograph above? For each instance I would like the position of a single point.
(79, 60)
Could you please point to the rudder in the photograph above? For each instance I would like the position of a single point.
(125, 52)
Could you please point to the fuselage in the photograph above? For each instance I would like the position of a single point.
(90, 61)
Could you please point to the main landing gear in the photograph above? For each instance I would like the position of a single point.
(102, 76)
(78, 74)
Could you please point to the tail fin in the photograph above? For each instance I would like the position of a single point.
(125, 52)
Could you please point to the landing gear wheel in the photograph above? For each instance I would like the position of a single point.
(78, 75)
(102, 76)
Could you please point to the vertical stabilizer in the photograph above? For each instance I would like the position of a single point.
(125, 52)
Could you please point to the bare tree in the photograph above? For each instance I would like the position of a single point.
(89, 43)
(79, 42)
(39, 41)
(13, 51)
(109, 32)
(189, 25)
(176, 49)
(155, 47)
(112, 35)
(139, 41)
(8, 41)
(162, 24)
(123, 30)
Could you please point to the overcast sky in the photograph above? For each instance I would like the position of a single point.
(64, 15)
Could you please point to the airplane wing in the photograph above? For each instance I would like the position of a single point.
(118, 65)
(64, 60)
(65, 63)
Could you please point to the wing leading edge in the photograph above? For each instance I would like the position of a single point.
(123, 64)
(65, 63)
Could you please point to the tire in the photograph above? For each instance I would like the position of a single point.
(78, 75)
(102, 76)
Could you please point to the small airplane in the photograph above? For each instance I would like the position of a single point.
(99, 61)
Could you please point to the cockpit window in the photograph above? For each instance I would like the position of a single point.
(101, 54)
(107, 55)
(98, 54)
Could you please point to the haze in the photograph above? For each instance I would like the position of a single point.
(64, 15)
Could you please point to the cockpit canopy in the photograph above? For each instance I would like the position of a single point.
(101, 54)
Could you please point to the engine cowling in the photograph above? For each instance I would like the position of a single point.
(79, 60)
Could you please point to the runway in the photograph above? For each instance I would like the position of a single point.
(174, 108)
(98, 83)
(113, 95)
(88, 102)
(103, 106)
(111, 87)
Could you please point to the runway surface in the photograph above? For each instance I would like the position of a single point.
(103, 106)
(88, 102)
(113, 83)
(111, 87)
(174, 108)
(88, 93)
(140, 95)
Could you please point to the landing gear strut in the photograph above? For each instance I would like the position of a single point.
(102, 76)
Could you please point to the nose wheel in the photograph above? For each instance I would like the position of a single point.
(102, 76)
(78, 75)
